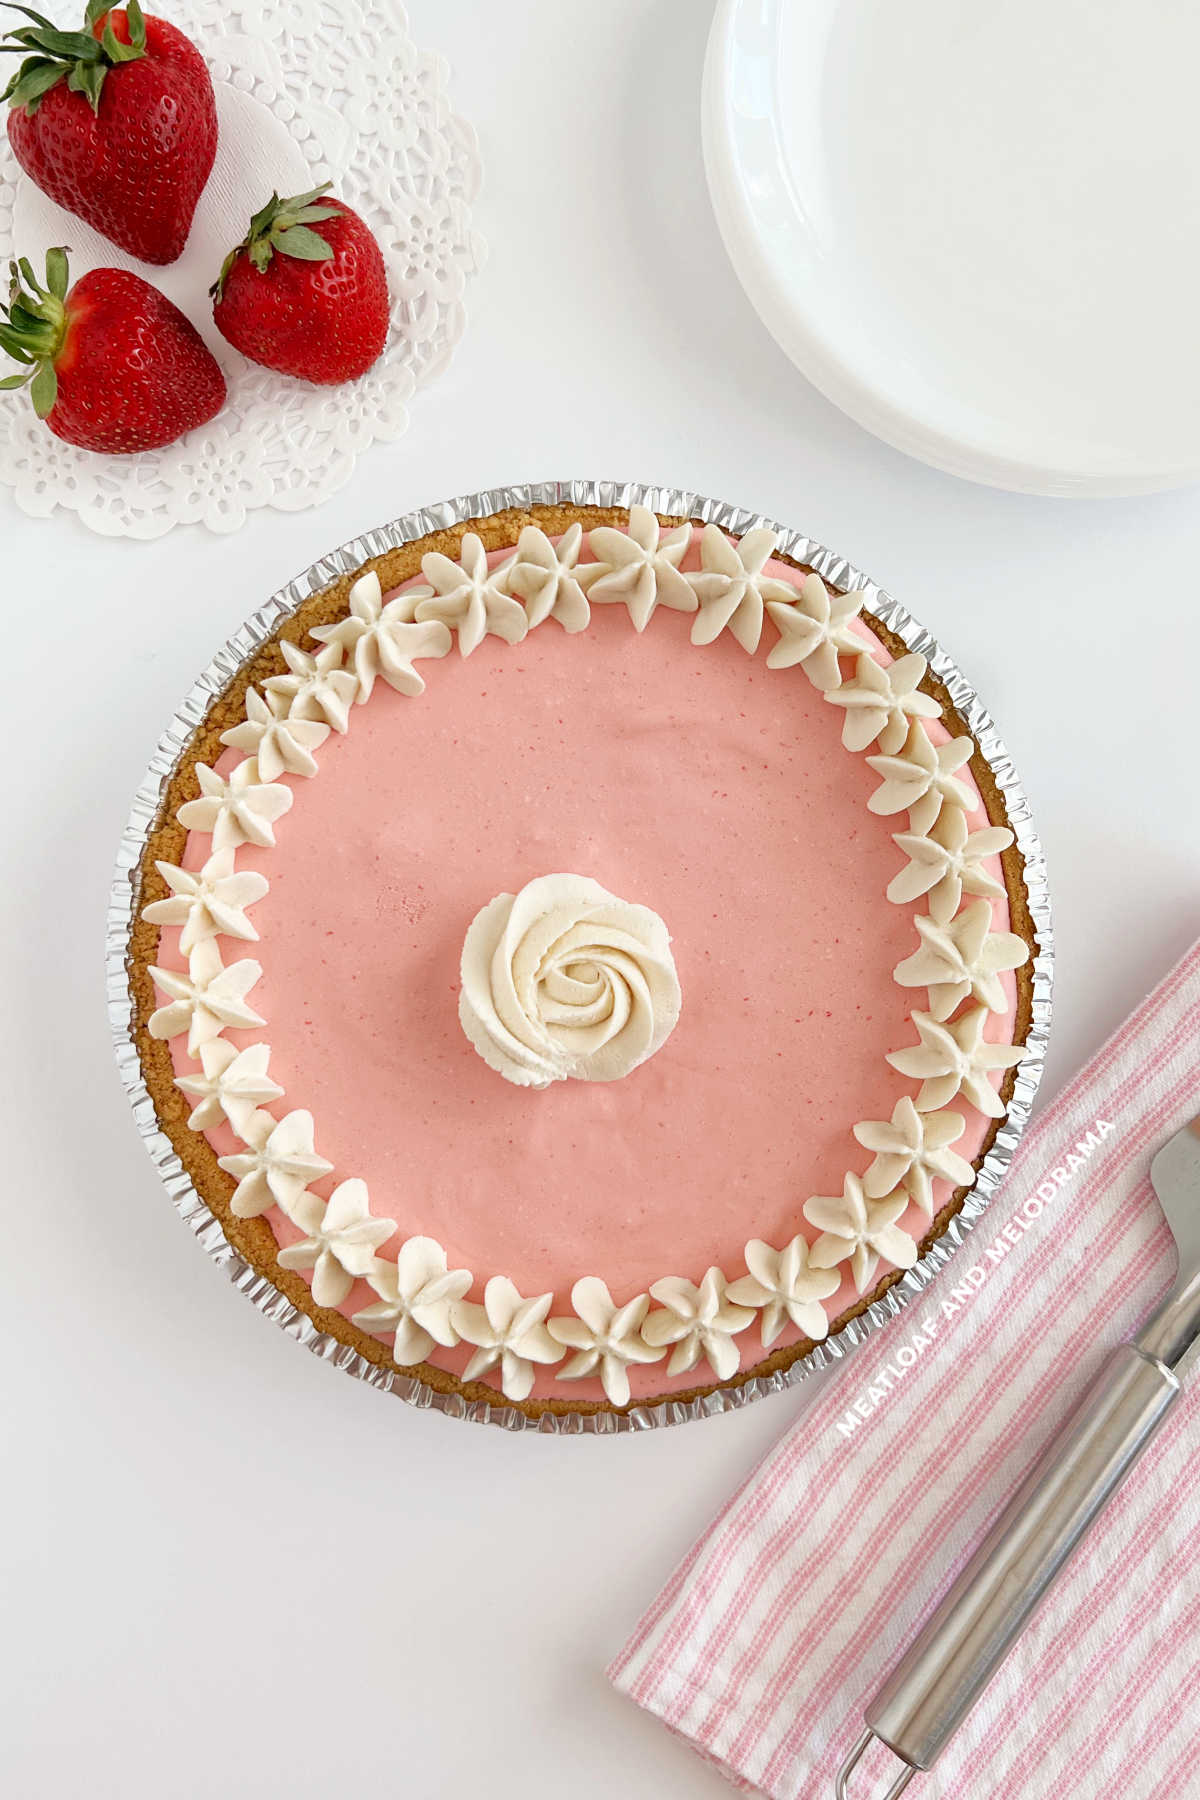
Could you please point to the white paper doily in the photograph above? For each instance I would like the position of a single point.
(307, 91)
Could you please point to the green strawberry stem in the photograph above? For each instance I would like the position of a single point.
(34, 327)
(283, 225)
(76, 57)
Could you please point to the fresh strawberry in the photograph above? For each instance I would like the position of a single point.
(116, 123)
(112, 364)
(310, 303)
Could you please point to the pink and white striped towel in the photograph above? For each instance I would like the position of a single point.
(768, 1640)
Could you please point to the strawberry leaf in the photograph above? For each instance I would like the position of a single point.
(43, 390)
(22, 270)
(134, 19)
(33, 79)
(262, 219)
(57, 275)
(11, 344)
(114, 49)
(311, 215)
(299, 241)
(88, 78)
(16, 381)
(38, 18)
(298, 200)
(22, 320)
(73, 46)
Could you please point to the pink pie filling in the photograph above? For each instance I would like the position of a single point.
(694, 781)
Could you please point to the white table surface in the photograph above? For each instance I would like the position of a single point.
(226, 1568)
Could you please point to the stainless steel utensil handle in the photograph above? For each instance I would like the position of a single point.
(940, 1677)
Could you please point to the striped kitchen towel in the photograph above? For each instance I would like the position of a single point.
(771, 1636)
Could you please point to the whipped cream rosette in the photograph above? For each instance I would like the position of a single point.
(563, 981)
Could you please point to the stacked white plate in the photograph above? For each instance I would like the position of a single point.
(975, 228)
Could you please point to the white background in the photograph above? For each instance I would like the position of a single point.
(228, 1569)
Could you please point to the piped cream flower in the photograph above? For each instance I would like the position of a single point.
(814, 630)
(315, 687)
(546, 578)
(786, 1286)
(276, 1166)
(565, 981)
(731, 588)
(948, 862)
(920, 778)
(385, 640)
(604, 1336)
(956, 1059)
(859, 1231)
(469, 598)
(879, 702)
(639, 568)
(232, 1085)
(206, 1000)
(510, 1330)
(283, 746)
(208, 901)
(699, 1321)
(343, 1237)
(961, 958)
(238, 810)
(417, 1294)
(912, 1150)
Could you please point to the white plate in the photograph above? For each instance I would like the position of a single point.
(974, 228)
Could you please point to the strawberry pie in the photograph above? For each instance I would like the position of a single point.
(583, 959)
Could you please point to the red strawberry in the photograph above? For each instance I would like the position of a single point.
(116, 123)
(113, 365)
(310, 303)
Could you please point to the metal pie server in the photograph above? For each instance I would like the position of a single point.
(941, 1675)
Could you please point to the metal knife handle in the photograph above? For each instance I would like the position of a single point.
(940, 1677)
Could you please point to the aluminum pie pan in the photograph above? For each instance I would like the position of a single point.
(123, 910)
